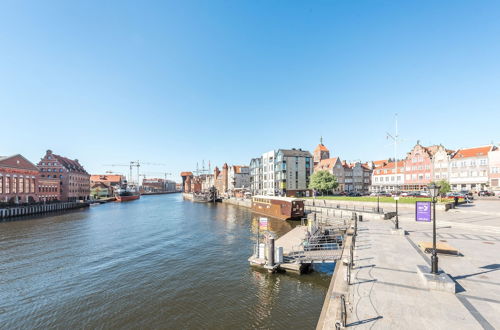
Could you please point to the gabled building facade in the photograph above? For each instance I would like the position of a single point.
(73, 179)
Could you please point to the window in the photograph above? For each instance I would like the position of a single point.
(483, 162)
(14, 185)
(1, 184)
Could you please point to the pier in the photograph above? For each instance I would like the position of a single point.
(39, 209)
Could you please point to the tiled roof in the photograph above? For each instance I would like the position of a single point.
(326, 163)
(106, 178)
(473, 152)
(187, 173)
(379, 163)
(295, 153)
(321, 147)
(69, 164)
(390, 166)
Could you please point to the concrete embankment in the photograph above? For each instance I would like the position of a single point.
(239, 202)
(39, 209)
(333, 209)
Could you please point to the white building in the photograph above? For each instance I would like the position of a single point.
(238, 177)
(469, 169)
(384, 178)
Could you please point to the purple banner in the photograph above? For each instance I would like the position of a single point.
(423, 211)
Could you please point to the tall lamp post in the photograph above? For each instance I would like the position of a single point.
(378, 202)
(434, 191)
(396, 198)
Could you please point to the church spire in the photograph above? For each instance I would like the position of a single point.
(321, 140)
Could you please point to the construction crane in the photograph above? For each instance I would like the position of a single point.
(136, 164)
(165, 174)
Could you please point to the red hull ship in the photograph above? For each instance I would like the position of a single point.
(127, 194)
(127, 198)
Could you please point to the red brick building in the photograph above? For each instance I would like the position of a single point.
(74, 181)
(48, 189)
(18, 180)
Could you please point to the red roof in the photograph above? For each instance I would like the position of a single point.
(186, 173)
(473, 152)
(326, 163)
(390, 166)
(379, 163)
(106, 178)
(321, 147)
(69, 164)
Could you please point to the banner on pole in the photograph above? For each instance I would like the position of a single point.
(423, 211)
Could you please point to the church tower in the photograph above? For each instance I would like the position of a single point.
(321, 152)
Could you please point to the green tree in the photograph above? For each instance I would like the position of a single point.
(323, 181)
(444, 187)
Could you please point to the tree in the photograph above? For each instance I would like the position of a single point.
(444, 187)
(323, 181)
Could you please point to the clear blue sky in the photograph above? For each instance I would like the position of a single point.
(177, 82)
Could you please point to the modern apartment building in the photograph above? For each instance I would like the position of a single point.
(256, 176)
(469, 168)
(285, 172)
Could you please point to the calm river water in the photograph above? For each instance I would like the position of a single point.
(158, 262)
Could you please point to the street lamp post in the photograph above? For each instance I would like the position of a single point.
(396, 198)
(434, 190)
(378, 202)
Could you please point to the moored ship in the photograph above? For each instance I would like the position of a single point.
(127, 194)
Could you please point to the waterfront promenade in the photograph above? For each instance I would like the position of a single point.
(386, 291)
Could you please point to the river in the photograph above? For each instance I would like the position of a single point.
(158, 262)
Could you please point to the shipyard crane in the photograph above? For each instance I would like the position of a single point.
(136, 164)
(165, 174)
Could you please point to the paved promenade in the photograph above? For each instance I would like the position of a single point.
(386, 292)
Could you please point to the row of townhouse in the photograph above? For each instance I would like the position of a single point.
(229, 181)
(352, 177)
(54, 178)
(282, 172)
(471, 169)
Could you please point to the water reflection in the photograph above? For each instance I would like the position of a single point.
(158, 262)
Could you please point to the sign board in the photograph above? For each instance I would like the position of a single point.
(396, 198)
(263, 222)
(423, 211)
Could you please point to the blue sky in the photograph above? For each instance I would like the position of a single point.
(176, 82)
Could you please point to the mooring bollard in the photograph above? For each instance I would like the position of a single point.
(270, 251)
(360, 218)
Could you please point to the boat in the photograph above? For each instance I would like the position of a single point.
(126, 194)
(285, 208)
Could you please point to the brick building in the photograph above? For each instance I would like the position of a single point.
(48, 189)
(418, 168)
(18, 180)
(73, 179)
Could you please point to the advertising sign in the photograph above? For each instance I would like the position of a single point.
(263, 223)
(423, 211)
